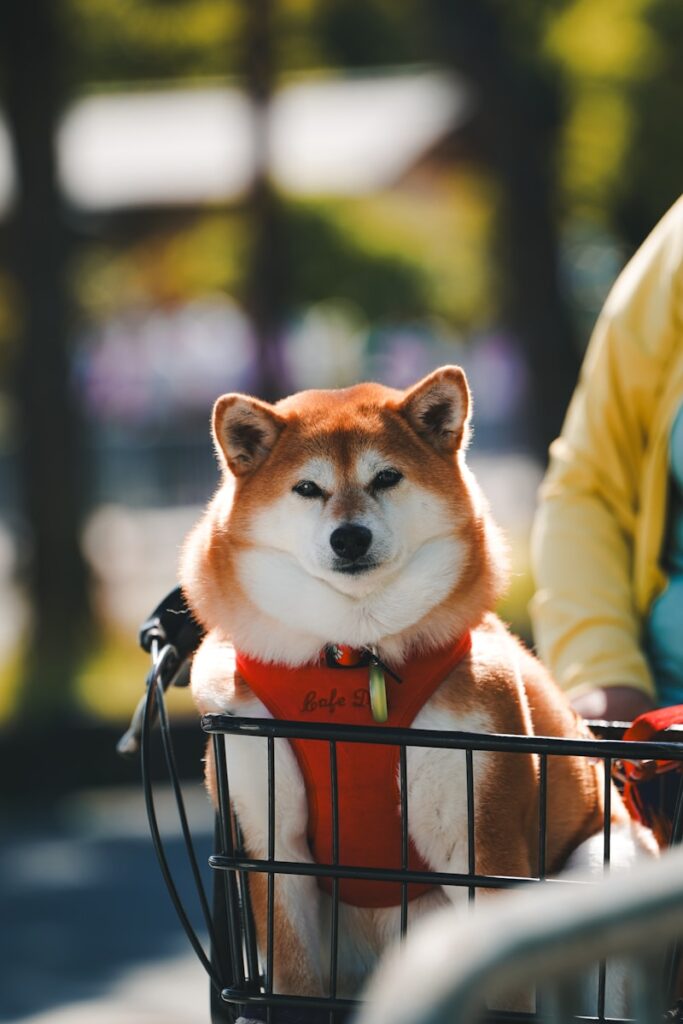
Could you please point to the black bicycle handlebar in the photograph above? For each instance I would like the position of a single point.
(171, 624)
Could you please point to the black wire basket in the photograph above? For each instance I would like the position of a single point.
(241, 973)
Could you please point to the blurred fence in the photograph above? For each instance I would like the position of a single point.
(152, 472)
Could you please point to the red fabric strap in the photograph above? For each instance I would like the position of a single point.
(369, 821)
(647, 727)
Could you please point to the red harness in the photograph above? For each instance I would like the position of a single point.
(369, 816)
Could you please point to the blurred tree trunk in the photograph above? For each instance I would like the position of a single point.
(517, 120)
(265, 275)
(49, 448)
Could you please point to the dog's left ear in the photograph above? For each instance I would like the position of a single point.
(438, 408)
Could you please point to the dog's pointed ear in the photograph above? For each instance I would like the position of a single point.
(438, 408)
(244, 430)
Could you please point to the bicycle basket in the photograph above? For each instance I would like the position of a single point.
(240, 966)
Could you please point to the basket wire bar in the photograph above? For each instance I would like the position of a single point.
(631, 750)
(271, 798)
(471, 869)
(334, 936)
(607, 800)
(270, 919)
(228, 844)
(403, 786)
(606, 854)
(542, 1003)
(221, 1012)
(542, 812)
(677, 824)
(246, 917)
(317, 870)
(674, 953)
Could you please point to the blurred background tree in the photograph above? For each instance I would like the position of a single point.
(206, 195)
(48, 438)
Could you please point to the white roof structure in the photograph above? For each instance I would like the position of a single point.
(340, 136)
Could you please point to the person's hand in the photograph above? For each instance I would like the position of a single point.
(614, 703)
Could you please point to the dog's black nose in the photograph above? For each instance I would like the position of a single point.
(351, 542)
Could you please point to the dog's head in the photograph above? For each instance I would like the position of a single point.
(349, 515)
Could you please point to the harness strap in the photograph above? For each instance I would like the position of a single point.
(368, 805)
(647, 727)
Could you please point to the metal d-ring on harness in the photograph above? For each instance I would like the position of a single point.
(171, 621)
(336, 657)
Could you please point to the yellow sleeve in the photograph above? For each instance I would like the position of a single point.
(585, 621)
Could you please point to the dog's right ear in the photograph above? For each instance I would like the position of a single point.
(244, 431)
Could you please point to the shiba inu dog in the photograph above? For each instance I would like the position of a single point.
(349, 537)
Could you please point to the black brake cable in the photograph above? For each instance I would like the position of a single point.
(154, 695)
(169, 755)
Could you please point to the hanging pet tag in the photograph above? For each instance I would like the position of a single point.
(378, 693)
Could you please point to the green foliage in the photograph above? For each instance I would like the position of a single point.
(622, 148)
(325, 258)
(391, 255)
(109, 682)
(10, 679)
(120, 40)
(175, 264)
(655, 155)
(400, 244)
(358, 34)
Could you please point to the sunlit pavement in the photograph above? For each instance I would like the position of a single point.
(88, 933)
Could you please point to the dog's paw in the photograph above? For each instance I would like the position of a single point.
(212, 680)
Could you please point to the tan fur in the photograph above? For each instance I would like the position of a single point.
(290, 960)
(421, 432)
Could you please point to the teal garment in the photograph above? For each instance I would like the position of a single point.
(664, 628)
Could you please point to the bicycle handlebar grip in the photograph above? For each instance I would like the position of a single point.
(172, 622)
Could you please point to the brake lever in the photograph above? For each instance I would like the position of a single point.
(171, 635)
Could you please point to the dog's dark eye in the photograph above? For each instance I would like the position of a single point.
(307, 489)
(385, 479)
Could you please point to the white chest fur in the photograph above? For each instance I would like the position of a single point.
(304, 611)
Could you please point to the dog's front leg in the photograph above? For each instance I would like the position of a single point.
(295, 898)
(292, 900)
(294, 905)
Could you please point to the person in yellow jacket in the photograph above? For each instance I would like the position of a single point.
(607, 540)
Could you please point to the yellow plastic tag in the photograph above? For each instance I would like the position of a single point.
(378, 694)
